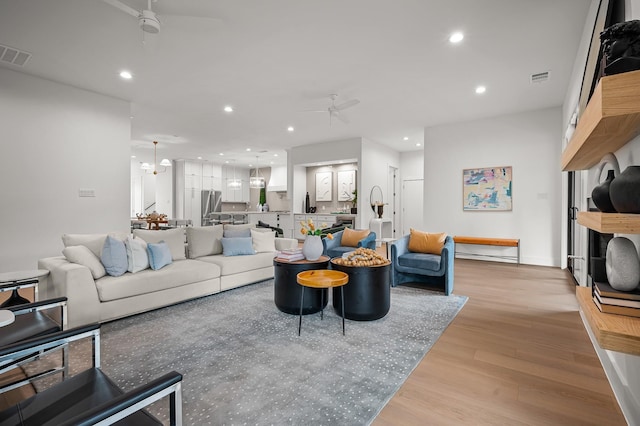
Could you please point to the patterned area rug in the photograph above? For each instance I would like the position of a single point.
(243, 362)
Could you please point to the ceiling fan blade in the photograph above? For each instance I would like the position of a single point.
(123, 7)
(341, 118)
(348, 104)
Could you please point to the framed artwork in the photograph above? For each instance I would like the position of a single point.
(346, 185)
(487, 189)
(323, 186)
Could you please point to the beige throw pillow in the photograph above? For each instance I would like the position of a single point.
(85, 257)
(204, 240)
(173, 237)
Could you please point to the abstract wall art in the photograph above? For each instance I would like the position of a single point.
(487, 189)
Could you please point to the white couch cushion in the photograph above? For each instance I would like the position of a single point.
(263, 241)
(148, 281)
(173, 237)
(137, 258)
(93, 242)
(204, 240)
(235, 264)
(85, 257)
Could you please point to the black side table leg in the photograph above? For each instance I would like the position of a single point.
(14, 299)
(322, 304)
(301, 305)
(342, 297)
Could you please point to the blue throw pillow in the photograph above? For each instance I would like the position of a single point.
(237, 233)
(159, 255)
(114, 257)
(237, 246)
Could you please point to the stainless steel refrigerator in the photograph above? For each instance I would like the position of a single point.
(211, 202)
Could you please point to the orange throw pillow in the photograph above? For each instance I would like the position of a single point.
(351, 237)
(424, 242)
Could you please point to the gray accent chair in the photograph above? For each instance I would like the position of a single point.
(407, 266)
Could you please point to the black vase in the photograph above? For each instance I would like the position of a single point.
(600, 195)
(625, 191)
(307, 206)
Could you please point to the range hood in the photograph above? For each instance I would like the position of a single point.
(278, 179)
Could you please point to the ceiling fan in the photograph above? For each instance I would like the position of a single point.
(334, 110)
(148, 20)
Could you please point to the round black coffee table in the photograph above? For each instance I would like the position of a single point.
(287, 291)
(367, 295)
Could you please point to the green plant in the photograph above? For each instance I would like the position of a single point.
(354, 199)
(263, 196)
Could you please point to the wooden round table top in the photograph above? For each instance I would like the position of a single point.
(322, 278)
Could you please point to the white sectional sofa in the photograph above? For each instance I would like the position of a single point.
(198, 268)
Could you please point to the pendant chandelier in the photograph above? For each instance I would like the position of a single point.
(257, 181)
(234, 184)
(151, 168)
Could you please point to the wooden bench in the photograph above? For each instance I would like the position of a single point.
(503, 242)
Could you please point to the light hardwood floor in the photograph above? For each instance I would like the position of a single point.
(517, 354)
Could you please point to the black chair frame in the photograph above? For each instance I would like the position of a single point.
(8, 363)
(100, 411)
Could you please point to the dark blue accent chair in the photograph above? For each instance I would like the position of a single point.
(334, 248)
(408, 267)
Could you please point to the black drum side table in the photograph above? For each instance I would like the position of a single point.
(287, 291)
(368, 293)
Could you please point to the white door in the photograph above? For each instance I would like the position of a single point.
(412, 196)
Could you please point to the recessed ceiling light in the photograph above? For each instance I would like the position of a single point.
(480, 90)
(456, 37)
(290, 129)
(221, 154)
(226, 161)
(275, 155)
(272, 162)
(248, 149)
(228, 108)
(418, 144)
(406, 138)
(126, 75)
(199, 158)
(133, 156)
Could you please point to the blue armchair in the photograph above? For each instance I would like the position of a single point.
(334, 248)
(436, 269)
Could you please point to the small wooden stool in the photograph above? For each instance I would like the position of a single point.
(321, 278)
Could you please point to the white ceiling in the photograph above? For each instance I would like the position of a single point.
(273, 59)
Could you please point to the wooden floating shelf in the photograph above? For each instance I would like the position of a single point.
(610, 120)
(610, 223)
(613, 332)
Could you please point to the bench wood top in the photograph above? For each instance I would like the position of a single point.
(507, 242)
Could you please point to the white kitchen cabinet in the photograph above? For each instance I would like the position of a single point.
(297, 218)
(240, 195)
(285, 222)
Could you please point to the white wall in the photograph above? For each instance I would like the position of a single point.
(529, 143)
(57, 139)
(374, 170)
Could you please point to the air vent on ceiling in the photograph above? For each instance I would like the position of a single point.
(540, 77)
(13, 56)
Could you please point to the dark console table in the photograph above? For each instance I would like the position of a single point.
(367, 295)
(287, 291)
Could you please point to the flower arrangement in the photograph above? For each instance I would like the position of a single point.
(309, 228)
